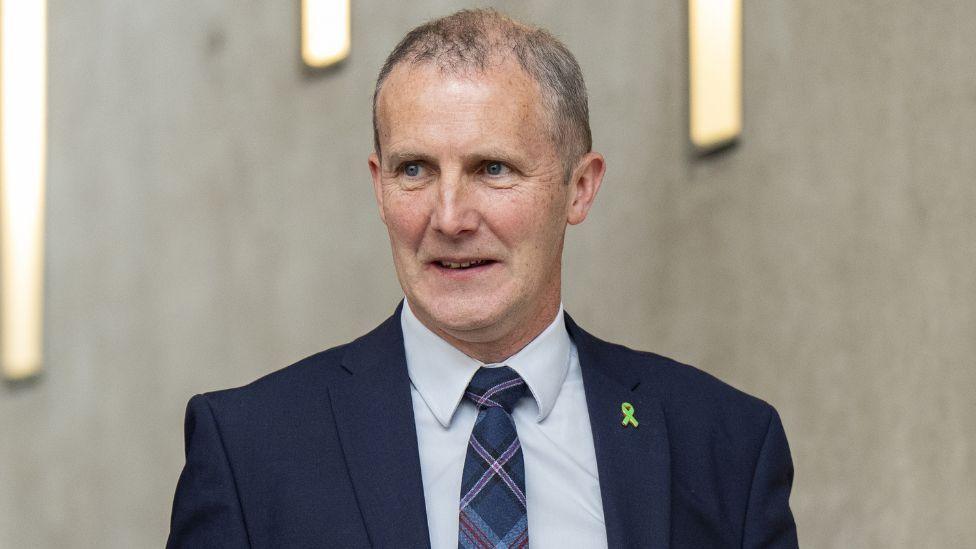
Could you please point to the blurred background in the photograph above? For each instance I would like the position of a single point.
(210, 220)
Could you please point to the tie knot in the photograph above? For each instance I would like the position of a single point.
(500, 387)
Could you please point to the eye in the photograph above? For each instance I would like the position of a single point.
(411, 169)
(496, 168)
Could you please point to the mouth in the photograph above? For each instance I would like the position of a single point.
(461, 264)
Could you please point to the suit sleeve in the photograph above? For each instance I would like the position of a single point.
(769, 521)
(206, 509)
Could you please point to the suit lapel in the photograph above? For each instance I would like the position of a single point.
(633, 463)
(374, 418)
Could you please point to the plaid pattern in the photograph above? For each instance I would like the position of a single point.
(492, 510)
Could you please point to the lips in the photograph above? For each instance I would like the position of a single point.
(461, 263)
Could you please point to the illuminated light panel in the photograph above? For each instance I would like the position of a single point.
(22, 155)
(325, 32)
(715, 72)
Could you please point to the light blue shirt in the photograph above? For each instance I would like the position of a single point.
(562, 487)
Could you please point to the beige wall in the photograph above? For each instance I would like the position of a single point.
(210, 220)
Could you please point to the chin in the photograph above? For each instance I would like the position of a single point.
(462, 314)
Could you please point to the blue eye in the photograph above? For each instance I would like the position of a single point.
(495, 168)
(412, 169)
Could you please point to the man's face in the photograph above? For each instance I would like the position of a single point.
(471, 190)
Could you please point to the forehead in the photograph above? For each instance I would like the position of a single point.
(421, 97)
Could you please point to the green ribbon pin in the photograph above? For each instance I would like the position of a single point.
(628, 410)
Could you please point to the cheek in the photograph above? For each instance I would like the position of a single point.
(530, 227)
(405, 220)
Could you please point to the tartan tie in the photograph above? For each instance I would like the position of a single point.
(492, 510)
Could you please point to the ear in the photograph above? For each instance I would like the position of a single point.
(376, 171)
(584, 185)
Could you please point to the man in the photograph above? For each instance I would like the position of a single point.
(479, 414)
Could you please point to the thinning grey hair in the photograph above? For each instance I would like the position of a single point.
(474, 39)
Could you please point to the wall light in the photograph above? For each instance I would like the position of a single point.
(715, 72)
(23, 87)
(325, 32)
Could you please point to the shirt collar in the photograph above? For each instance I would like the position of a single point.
(441, 373)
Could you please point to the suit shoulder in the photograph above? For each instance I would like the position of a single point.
(316, 371)
(702, 410)
(686, 381)
(683, 385)
(307, 380)
(310, 377)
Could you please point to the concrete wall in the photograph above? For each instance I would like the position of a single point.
(210, 220)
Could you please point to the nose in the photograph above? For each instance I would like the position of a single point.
(455, 210)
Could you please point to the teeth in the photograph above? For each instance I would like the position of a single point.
(465, 265)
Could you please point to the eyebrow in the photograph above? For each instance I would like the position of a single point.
(495, 154)
(397, 157)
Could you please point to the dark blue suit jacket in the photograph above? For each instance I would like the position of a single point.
(324, 454)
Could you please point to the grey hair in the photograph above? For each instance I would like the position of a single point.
(473, 39)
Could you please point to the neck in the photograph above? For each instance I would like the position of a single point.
(498, 343)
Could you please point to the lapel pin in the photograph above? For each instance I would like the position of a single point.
(628, 410)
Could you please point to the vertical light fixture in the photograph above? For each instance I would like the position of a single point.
(325, 32)
(23, 87)
(715, 72)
